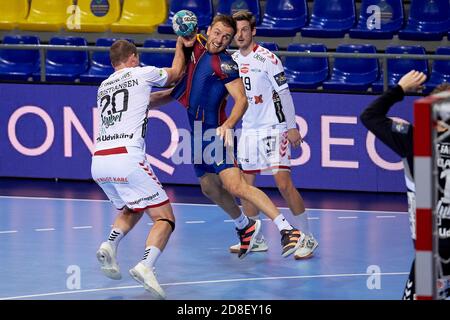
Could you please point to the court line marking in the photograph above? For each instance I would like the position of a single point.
(8, 231)
(195, 221)
(209, 282)
(349, 217)
(82, 227)
(44, 229)
(205, 205)
(381, 217)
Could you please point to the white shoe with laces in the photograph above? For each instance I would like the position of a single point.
(147, 278)
(306, 249)
(106, 255)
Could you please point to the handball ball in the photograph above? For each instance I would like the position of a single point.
(184, 23)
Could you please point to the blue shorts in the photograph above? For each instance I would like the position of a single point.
(211, 156)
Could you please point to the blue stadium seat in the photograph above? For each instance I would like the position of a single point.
(428, 20)
(283, 18)
(353, 73)
(203, 9)
(440, 70)
(231, 6)
(101, 67)
(397, 68)
(391, 19)
(159, 60)
(65, 65)
(272, 46)
(306, 73)
(330, 19)
(19, 64)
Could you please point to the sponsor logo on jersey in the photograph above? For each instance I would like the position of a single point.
(444, 149)
(259, 57)
(280, 78)
(244, 70)
(444, 233)
(258, 99)
(126, 76)
(255, 70)
(400, 127)
(229, 67)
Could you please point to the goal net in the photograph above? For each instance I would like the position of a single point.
(432, 181)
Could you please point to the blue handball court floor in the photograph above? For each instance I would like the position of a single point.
(50, 232)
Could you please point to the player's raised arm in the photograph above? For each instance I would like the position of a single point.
(175, 72)
(236, 90)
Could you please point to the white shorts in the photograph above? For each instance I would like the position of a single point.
(127, 178)
(265, 151)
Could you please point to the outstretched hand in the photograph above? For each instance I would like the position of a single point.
(188, 42)
(412, 81)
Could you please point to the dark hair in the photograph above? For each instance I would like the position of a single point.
(120, 51)
(244, 15)
(442, 87)
(226, 20)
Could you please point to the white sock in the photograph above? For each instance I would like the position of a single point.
(151, 254)
(302, 220)
(282, 223)
(254, 217)
(241, 222)
(114, 237)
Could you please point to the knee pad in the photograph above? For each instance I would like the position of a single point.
(170, 222)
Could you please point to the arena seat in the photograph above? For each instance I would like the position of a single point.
(283, 18)
(231, 6)
(47, 15)
(100, 67)
(391, 20)
(353, 73)
(330, 19)
(12, 13)
(440, 70)
(158, 59)
(397, 68)
(97, 17)
(65, 65)
(140, 16)
(203, 9)
(303, 72)
(19, 64)
(428, 20)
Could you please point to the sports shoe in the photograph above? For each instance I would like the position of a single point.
(260, 245)
(247, 237)
(147, 278)
(106, 255)
(306, 249)
(291, 240)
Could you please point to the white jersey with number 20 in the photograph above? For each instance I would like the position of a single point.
(122, 102)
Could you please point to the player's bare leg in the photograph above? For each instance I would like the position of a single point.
(107, 253)
(252, 212)
(234, 182)
(163, 226)
(247, 229)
